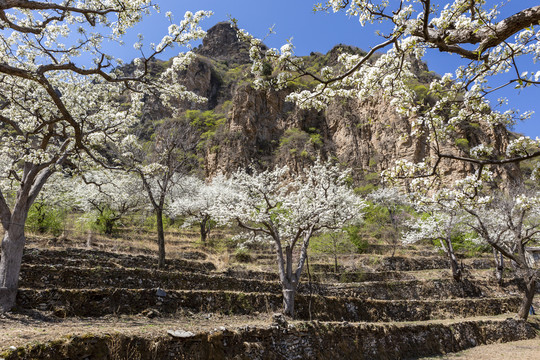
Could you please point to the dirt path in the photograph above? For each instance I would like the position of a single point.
(517, 350)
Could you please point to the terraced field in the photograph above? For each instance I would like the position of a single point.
(77, 303)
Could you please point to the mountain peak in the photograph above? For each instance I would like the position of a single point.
(221, 43)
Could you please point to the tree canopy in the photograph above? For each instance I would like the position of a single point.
(471, 29)
(55, 111)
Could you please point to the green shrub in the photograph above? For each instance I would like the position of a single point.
(243, 255)
(355, 237)
(45, 219)
(150, 223)
(365, 189)
(106, 221)
(467, 244)
(332, 243)
(462, 143)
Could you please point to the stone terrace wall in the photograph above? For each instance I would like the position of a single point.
(101, 302)
(304, 340)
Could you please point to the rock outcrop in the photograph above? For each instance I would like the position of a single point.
(221, 43)
(262, 128)
(367, 135)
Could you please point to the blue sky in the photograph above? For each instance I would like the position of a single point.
(316, 32)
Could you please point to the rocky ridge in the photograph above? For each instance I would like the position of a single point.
(262, 128)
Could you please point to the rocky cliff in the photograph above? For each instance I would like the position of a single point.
(262, 128)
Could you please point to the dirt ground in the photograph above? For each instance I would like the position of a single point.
(38, 327)
(517, 350)
(34, 326)
(24, 329)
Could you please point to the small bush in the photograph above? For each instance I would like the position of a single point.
(353, 233)
(45, 219)
(468, 245)
(106, 222)
(242, 255)
(150, 223)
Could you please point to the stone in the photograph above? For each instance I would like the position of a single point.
(279, 320)
(180, 334)
(150, 313)
(161, 293)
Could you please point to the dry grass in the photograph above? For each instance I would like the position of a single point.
(17, 329)
(517, 350)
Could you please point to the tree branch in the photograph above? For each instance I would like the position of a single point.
(488, 36)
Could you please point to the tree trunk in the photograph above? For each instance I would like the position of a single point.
(310, 287)
(10, 265)
(443, 246)
(288, 300)
(289, 283)
(499, 267)
(335, 249)
(530, 290)
(454, 265)
(457, 274)
(204, 232)
(161, 239)
(90, 239)
(109, 226)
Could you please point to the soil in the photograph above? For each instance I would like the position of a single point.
(18, 329)
(518, 350)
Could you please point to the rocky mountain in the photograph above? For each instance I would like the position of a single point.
(222, 44)
(260, 127)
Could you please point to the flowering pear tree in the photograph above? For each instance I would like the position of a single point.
(510, 223)
(288, 209)
(58, 107)
(161, 165)
(196, 202)
(506, 222)
(108, 195)
(394, 201)
(441, 221)
(488, 44)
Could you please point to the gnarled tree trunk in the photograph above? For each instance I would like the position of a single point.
(457, 271)
(10, 264)
(530, 290)
(13, 222)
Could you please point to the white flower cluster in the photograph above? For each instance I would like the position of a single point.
(114, 190)
(454, 16)
(197, 199)
(286, 209)
(481, 151)
(405, 168)
(52, 109)
(522, 145)
(365, 10)
(389, 197)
